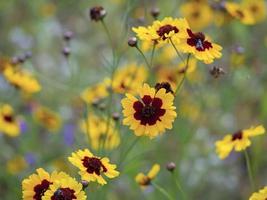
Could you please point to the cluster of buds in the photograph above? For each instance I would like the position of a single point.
(67, 36)
(216, 72)
(21, 58)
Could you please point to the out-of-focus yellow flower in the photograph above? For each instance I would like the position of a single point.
(198, 14)
(96, 93)
(200, 46)
(160, 32)
(35, 186)
(238, 141)
(21, 79)
(65, 188)
(48, 9)
(102, 134)
(151, 114)
(16, 165)
(239, 12)
(9, 124)
(47, 118)
(145, 180)
(256, 8)
(92, 167)
(129, 78)
(260, 195)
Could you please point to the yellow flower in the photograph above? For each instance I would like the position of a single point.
(161, 31)
(103, 134)
(65, 188)
(9, 124)
(37, 184)
(16, 165)
(145, 180)
(128, 78)
(21, 79)
(47, 118)
(238, 141)
(199, 15)
(150, 115)
(92, 167)
(200, 46)
(96, 93)
(256, 8)
(239, 12)
(261, 195)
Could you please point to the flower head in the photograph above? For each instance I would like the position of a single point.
(145, 180)
(66, 188)
(35, 186)
(9, 124)
(151, 114)
(92, 167)
(200, 46)
(260, 195)
(238, 141)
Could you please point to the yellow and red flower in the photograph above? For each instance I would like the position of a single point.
(151, 114)
(260, 195)
(92, 167)
(145, 180)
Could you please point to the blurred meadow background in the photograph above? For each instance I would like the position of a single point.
(71, 59)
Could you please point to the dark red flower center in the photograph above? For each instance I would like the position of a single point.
(93, 165)
(166, 30)
(198, 41)
(40, 189)
(64, 194)
(237, 136)
(8, 118)
(148, 111)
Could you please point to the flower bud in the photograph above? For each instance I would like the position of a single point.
(132, 41)
(155, 12)
(97, 13)
(116, 116)
(84, 184)
(66, 51)
(164, 85)
(68, 35)
(171, 166)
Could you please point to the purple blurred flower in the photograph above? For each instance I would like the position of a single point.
(68, 134)
(23, 126)
(30, 159)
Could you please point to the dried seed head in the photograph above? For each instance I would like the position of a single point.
(66, 51)
(164, 85)
(116, 116)
(132, 41)
(171, 166)
(68, 35)
(97, 13)
(155, 12)
(216, 72)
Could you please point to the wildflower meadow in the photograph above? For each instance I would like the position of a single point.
(133, 99)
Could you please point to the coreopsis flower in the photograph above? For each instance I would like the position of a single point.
(47, 118)
(161, 31)
(128, 78)
(145, 180)
(21, 79)
(200, 46)
(238, 141)
(198, 14)
(92, 168)
(240, 13)
(102, 134)
(260, 195)
(96, 92)
(151, 114)
(9, 123)
(65, 188)
(35, 186)
(16, 164)
(256, 8)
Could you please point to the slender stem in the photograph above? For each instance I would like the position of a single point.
(109, 38)
(249, 169)
(152, 55)
(86, 120)
(183, 79)
(177, 52)
(144, 57)
(162, 191)
(178, 185)
(123, 156)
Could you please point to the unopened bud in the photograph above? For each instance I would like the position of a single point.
(132, 41)
(68, 35)
(155, 12)
(116, 116)
(97, 13)
(216, 72)
(171, 166)
(66, 51)
(85, 184)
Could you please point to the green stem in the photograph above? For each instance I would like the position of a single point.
(178, 185)
(177, 52)
(152, 55)
(249, 169)
(87, 126)
(144, 57)
(162, 191)
(109, 39)
(183, 79)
